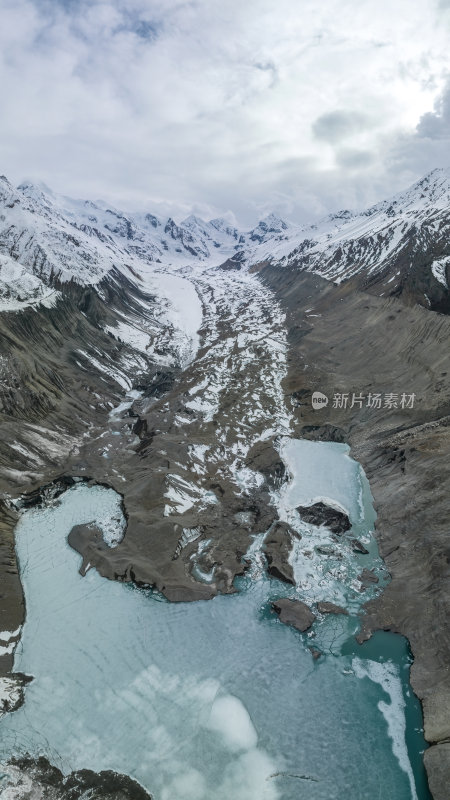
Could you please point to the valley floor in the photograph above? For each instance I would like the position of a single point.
(195, 451)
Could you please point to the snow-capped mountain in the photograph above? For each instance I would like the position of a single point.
(398, 247)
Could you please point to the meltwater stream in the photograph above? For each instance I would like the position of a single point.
(214, 700)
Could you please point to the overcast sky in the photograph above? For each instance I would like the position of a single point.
(248, 106)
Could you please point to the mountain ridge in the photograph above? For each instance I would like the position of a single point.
(398, 247)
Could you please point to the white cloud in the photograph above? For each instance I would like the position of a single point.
(297, 106)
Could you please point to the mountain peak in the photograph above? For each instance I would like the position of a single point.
(270, 224)
(274, 220)
(192, 219)
(7, 191)
(435, 183)
(34, 188)
(432, 189)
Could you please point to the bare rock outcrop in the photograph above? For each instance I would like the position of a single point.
(294, 613)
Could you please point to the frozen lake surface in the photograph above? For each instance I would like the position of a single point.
(214, 700)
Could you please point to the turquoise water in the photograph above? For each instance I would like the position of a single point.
(324, 472)
(207, 700)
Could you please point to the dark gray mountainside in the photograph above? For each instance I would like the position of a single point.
(96, 303)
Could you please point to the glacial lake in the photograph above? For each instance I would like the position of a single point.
(215, 700)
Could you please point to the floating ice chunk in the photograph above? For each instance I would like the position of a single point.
(8, 649)
(231, 720)
(10, 691)
(6, 636)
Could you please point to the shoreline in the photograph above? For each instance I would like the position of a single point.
(52, 490)
(297, 646)
(406, 459)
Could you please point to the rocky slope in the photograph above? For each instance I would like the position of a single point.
(397, 248)
(41, 779)
(197, 334)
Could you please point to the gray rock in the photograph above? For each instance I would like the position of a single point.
(358, 547)
(263, 458)
(324, 607)
(328, 550)
(294, 613)
(48, 781)
(367, 577)
(277, 548)
(437, 763)
(321, 514)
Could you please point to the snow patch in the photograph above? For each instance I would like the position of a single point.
(20, 289)
(438, 268)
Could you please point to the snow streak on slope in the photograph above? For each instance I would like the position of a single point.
(20, 289)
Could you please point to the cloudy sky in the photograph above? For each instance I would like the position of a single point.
(297, 106)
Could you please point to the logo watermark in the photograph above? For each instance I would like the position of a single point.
(375, 400)
(319, 400)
